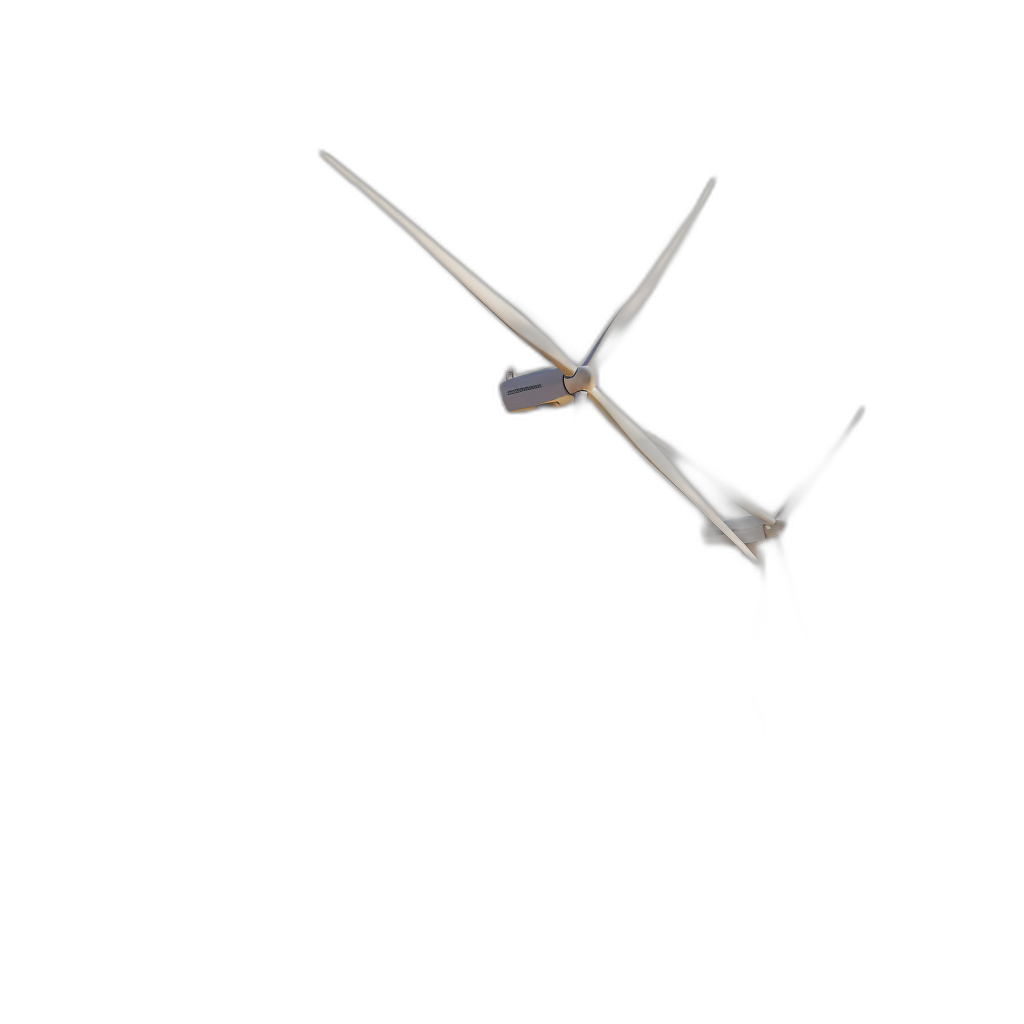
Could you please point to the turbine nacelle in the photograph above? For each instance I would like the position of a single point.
(544, 387)
(758, 525)
(749, 529)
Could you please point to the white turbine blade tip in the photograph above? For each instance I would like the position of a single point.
(513, 318)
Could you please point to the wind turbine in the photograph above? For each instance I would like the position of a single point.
(557, 384)
(757, 526)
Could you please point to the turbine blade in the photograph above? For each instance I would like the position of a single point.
(745, 503)
(802, 489)
(633, 304)
(498, 305)
(761, 565)
(650, 450)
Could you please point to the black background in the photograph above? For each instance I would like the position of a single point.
(404, 491)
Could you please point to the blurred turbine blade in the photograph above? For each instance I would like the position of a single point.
(791, 586)
(748, 506)
(650, 450)
(780, 547)
(788, 504)
(633, 304)
(499, 306)
(761, 563)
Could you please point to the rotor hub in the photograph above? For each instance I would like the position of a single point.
(584, 379)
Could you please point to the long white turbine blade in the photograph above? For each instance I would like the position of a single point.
(650, 450)
(802, 489)
(497, 304)
(633, 304)
(736, 497)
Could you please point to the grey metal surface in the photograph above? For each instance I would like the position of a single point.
(532, 389)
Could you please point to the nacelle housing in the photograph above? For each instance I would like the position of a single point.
(538, 387)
